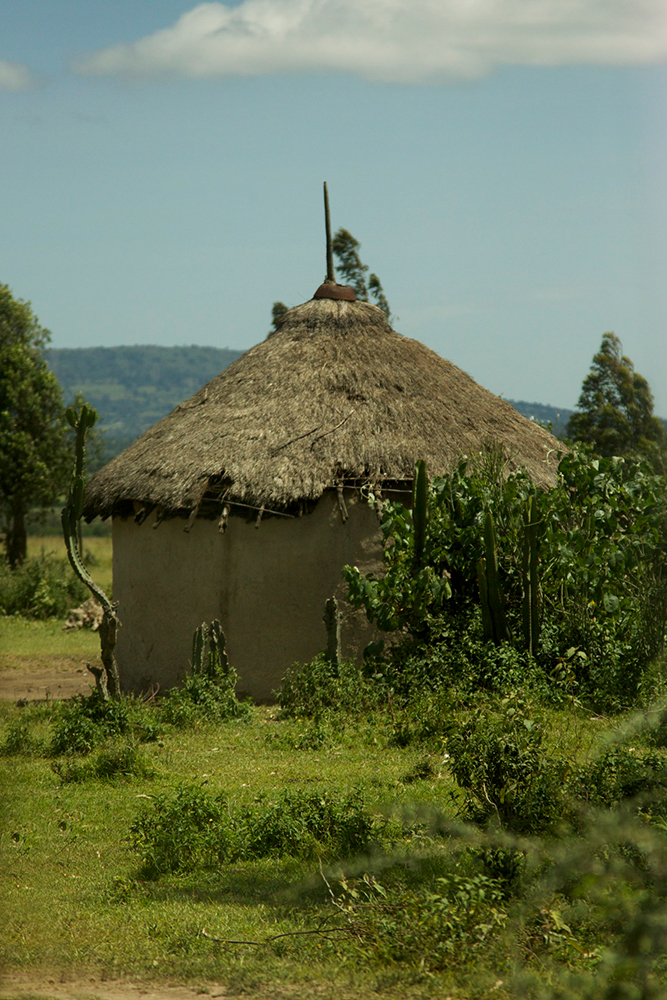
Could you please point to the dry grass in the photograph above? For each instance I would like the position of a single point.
(334, 396)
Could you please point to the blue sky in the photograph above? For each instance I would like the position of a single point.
(503, 163)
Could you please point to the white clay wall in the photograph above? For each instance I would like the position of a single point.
(267, 585)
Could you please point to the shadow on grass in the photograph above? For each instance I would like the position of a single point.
(272, 881)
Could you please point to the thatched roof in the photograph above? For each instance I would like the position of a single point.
(333, 395)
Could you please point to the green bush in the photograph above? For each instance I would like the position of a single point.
(39, 588)
(451, 924)
(318, 687)
(500, 760)
(20, 741)
(86, 721)
(116, 758)
(600, 539)
(306, 824)
(193, 829)
(182, 830)
(621, 773)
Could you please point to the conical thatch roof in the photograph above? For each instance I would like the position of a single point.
(334, 395)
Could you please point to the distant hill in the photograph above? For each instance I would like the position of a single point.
(544, 414)
(133, 387)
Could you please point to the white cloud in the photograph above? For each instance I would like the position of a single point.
(411, 41)
(14, 76)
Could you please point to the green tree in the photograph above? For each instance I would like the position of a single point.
(277, 313)
(346, 249)
(34, 446)
(616, 409)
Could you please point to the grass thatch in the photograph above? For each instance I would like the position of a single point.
(333, 395)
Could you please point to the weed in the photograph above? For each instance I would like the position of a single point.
(306, 824)
(501, 762)
(620, 773)
(42, 587)
(208, 696)
(86, 721)
(186, 829)
(422, 770)
(193, 829)
(20, 740)
(448, 925)
(317, 687)
(117, 758)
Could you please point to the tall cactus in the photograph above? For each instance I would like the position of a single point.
(107, 680)
(209, 652)
(419, 512)
(332, 623)
(490, 593)
(530, 604)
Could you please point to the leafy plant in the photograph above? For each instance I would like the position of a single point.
(39, 588)
(191, 828)
(20, 740)
(87, 720)
(116, 758)
(579, 566)
(450, 924)
(500, 760)
(320, 686)
(208, 692)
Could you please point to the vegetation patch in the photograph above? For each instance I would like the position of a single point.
(194, 829)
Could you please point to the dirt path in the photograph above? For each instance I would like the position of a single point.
(26, 987)
(63, 677)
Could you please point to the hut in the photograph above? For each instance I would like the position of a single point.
(246, 501)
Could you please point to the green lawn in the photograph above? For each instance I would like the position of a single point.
(75, 904)
(99, 547)
(26, 640)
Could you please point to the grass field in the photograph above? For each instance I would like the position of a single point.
(100, 566)
(75, 902)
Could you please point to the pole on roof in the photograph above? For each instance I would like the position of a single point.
(327, 225)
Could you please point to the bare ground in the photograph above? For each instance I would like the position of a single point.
(26, 987)
(22, 678)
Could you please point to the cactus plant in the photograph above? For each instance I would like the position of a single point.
(488, 582)
(530, 604)
(107, 679)
(487, 619)
(332, 622)
(419, 513)
(209, 652)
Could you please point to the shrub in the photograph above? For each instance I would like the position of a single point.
(191, 828)
(39, 588)
(117, 758)
(620, 773)
(306, 824)
(20, 741)
(208, 692)
(317, 687)
(451, 924)
(86, 721)
(500, 761)
(599, 538)
(187, 829)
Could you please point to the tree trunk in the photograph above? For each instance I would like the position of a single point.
(17, 539)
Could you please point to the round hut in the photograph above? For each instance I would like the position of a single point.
(244, 503)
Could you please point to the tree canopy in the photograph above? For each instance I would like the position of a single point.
(353, 271)
(34, 447)
(346, 250)
(616, 409)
